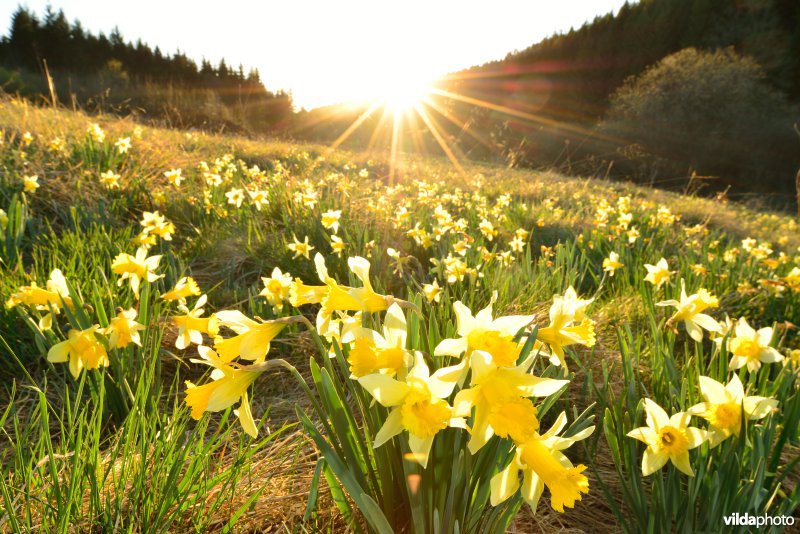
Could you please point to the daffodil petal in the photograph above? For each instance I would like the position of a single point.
(386, 390)
(504, 484)
(391, 427)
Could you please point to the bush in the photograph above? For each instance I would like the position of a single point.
(709, 112)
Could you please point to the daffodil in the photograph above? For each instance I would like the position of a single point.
(568, 325)
(690, 311)
(543, 465)
(276, 288)
(417, 405)
(487, 229)
(334, 297)
(330, 220)
(252, 339)
(96, 132)
(123, 144)
(793, 279)
(724, 406)
(432, 291)
(110, 179)
(259, 198)
(30, 183)
(185, 287)
(136, 268)
(45, 298)
(229, 386)
(175, 177)
(500, 398)
(123, 330)
(750, 348)
(372, 352)
(667, 438)
(659, 273)
(612, 263)
(793, 359)
(300, 248)
(192, 325)
(155, 223)
(235, 197)
(81, 349)
(482, 332)
(337, 245)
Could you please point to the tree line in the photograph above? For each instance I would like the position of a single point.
(118, 75)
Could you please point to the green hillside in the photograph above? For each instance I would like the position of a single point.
(101, 433)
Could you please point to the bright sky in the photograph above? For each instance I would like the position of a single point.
(326, 52)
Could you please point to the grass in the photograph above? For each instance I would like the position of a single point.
(117, 449)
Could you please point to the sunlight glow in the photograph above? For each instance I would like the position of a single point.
(403, 93)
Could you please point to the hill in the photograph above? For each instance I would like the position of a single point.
(560, 90)
(113, 442)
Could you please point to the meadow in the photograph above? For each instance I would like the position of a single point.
(213, 333)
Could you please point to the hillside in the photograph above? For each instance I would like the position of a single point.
(561, 92)
(116, 444)
(585, 66)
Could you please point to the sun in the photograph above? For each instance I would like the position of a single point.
(404, 94)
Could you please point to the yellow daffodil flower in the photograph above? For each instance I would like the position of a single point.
(276, 288)
(659, 273)
(253, 339)
(482, 332)
(123, 144)
(81, 349)
(337, 245)
(185, 287)
(612, 263)
(330, 220)
(43, 299)
(690, 311)
(418, 405)
(300, 248)
(259, 198)
(155, 223)
(724, 405)
(793, 359)
(372, 352)
(793, 279)
(667, 438)
(96, 132)
(543, 464)
(500, 398)
(192, 325)
(432, 292)
(335, 297)
(123, 330)
(750, 348)
(136, 268)
(110, 179)
(568, 325)
(30, 183)
(175, 177)
(235, 197)
(229, 386)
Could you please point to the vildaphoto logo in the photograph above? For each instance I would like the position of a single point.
(742, 520)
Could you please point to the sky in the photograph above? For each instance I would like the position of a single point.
(325, 52)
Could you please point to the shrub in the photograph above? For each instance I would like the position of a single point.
(710, 112)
